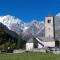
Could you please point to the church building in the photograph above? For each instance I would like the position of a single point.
(49, 39)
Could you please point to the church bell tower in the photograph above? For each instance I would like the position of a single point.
(49, 27)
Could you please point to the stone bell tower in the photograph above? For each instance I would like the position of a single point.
(49, 27)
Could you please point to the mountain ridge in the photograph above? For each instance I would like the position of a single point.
(34, 28)
(16, 24)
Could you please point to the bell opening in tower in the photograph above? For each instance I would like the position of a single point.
(49, 21)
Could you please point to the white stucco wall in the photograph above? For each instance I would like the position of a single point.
(47, 44)
(29, 46)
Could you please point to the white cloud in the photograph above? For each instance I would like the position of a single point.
(58, 14)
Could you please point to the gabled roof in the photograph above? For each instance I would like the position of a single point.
(30, 40)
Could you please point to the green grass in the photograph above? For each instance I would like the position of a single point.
(30, 56)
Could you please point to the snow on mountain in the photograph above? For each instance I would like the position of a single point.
(12, 23)
(7, 20)
(32, 28)
(39, 25)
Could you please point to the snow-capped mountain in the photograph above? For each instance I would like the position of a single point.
(18, 25)
(12, 23)
(33, 29)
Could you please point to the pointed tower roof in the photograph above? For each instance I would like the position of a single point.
(49, 14)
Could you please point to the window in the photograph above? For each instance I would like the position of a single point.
(49, 21)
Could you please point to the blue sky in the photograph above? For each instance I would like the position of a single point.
(28, 10)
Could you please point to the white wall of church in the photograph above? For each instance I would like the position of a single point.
(49, 33)
(29, 46)
(47, 44)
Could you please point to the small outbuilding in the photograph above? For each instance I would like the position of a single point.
(31, 44)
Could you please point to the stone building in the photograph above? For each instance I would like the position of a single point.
(48, 40)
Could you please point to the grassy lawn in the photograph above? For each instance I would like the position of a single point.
(30, 56)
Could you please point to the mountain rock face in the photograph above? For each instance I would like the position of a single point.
(32, 29)
(12, 23)
(17, 25)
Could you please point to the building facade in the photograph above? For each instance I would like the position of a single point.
(49, 39)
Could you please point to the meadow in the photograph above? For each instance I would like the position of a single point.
(30, 56)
